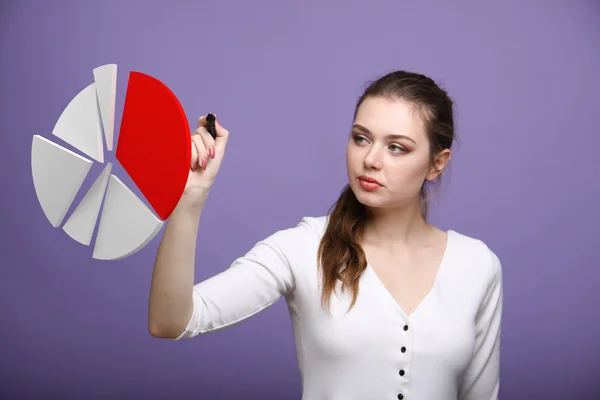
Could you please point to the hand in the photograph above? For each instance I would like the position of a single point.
(207, 155)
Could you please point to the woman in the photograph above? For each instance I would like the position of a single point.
(425, 323)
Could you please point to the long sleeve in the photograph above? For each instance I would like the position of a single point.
(482, 381)
(252, 283)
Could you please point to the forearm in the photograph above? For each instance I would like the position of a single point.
(170, 303)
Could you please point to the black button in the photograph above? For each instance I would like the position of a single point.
(401, 372)
(405, 327)
(403, 349)
(400, 396)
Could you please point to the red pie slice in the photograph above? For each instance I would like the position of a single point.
(154, 145)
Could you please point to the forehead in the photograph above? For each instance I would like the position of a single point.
(384, 116)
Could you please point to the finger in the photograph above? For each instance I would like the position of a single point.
(194, 159)
(197, 159)
(222, 136)
(208, 140)
(201, 149)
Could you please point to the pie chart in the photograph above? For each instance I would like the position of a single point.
(153, 147)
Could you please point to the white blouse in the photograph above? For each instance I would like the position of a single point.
(448, 348)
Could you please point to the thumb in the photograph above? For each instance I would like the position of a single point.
(222, 135)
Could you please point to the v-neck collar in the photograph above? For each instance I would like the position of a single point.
(396, 305)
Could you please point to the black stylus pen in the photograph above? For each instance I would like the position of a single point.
(210, 125)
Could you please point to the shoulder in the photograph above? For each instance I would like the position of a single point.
(295, 246)
(476, 258)
(316, 225)
(309, 229)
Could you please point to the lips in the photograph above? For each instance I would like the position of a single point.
(369, 179)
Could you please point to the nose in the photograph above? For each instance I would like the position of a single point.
(373, 159)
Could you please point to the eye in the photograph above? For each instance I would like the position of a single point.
(397, 149)
(359, 139)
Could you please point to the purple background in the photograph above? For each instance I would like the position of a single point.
(524, 75)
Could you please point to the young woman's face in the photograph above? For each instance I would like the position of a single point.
(389, 144)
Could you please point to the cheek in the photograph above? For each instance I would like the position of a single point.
(352, 156)
(408, 173)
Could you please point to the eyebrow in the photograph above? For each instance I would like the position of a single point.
(390, 136)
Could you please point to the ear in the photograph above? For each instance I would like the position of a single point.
(439, 163)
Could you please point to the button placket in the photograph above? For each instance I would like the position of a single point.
(402, 372)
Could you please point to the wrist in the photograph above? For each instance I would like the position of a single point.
(192, 201)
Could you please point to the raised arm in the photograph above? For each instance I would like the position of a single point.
(178, 308)
(252, 283)
(482, 378)
(171, 302)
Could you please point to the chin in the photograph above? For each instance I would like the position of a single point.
(373, 199)
(371, 203)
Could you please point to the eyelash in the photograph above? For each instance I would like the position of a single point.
(401, 149)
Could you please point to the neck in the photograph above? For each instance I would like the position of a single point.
(392, 227)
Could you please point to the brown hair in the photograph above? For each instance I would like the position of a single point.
(341, 256)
